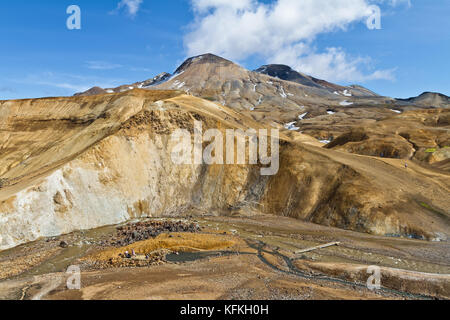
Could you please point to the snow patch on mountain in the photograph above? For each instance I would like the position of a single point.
(291, 126)
(346, 103)
(302, 116)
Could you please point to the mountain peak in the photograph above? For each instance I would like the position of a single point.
(201, 59)
(91, 92)
(285, 72)
(433, 94)
(275, 68)
(429, 99)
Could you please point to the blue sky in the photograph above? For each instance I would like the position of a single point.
(119, 44)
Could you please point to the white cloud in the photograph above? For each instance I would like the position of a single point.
(395, 3)
(132, 6)
(283, 32)
(333, 65)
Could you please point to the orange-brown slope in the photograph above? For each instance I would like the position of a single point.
(113, 163)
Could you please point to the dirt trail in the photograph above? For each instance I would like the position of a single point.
(51, 284)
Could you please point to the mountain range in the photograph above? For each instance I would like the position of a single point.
(85, 180)
(221, 78)
(281, 97)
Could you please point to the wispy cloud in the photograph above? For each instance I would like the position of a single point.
(102, 65)
(131, 6)
(284, 32)
(71, 83)
(136, 69)
(62, 85)
(395, 3)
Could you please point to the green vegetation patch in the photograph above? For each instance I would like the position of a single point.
(430, 150)
(209, 99)
(433, 210)
(426, 206)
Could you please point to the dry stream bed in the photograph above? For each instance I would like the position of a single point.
(209, 257)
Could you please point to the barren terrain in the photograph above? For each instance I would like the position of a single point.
(371, 174)
(240, 258)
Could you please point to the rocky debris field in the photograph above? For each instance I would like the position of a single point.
(55, 250)
(156, 257)
(140, 231)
